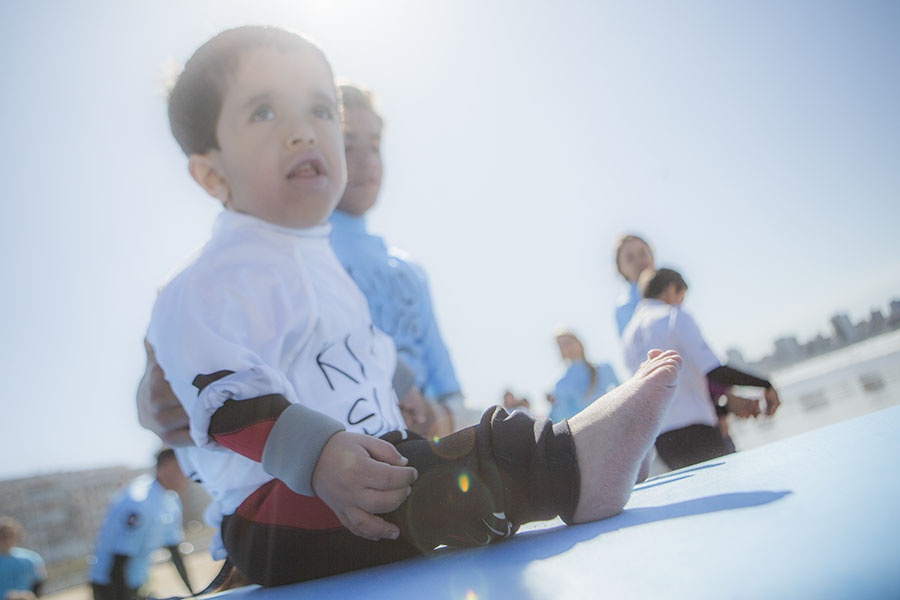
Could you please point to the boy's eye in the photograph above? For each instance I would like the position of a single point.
(262, 113)
(323, 112)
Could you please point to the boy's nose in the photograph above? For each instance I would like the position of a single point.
(299, 140)
(301, 133)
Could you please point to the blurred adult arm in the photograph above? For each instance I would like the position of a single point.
(158, 408)
(412, 402)
(442, 379)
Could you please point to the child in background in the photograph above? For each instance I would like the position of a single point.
(690, 432)
(22, 571)
(395, 287)
(582, 383)
(270, 347)
(634, 256)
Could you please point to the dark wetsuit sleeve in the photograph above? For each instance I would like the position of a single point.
(726, 375)
(286, 438)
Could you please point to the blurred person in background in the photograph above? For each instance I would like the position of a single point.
(633, 256)
(395, 286)
(22, 571)
(511, 402)
(582, 382)
(690, 432)
(142, 518)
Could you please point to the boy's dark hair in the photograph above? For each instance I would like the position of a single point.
(653, 283)
(195, 101)
(164, 455)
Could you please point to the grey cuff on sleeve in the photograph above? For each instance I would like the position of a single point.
(294, 445)
(404, 378)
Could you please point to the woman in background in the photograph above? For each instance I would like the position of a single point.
(582, 381)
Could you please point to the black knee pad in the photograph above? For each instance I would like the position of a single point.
(455, 501)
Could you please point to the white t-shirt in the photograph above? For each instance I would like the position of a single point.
(657, 325)
(274, 306)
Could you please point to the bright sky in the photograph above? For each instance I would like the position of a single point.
(756, 144)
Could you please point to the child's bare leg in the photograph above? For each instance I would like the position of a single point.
(614, 434)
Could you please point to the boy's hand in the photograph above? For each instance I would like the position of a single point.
(359, 476)
(742, 407)
(413, 407)
(158, 408)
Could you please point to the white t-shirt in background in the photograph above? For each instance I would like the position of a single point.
(658, 325)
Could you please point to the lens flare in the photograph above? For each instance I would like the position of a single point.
(471, 595)
(464, 482)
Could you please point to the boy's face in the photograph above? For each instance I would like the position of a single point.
(634, 257)
(673, 295)
(281, 155)
(362, 144)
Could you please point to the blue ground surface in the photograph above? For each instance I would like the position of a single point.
(813, 516)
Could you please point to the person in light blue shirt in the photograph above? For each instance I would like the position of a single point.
(21, 570)
(633, 255)
(582, 382)
(395, 287)
(142, 518)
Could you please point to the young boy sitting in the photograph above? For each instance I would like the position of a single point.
(690, 432)
(270, 347)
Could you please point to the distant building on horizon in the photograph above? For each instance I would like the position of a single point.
(788, 350)
(844, 329)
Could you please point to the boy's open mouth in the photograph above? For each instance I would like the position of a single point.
(307, 168)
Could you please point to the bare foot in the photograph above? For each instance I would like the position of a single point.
(615, 433)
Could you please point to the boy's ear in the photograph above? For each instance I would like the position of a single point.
(205, 171)
(668, 294)
(671, 294)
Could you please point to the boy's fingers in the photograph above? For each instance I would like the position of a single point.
(387, 477)
(371, 527)
(380, 502)
(383, 451)
(348, 524)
